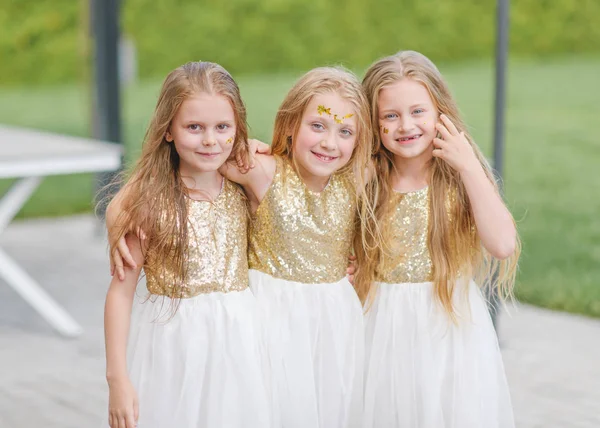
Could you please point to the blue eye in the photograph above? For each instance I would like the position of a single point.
(346, 132)
(419, 111)
(194, 127)
(222, 127)
(391, 116)
(318, 126)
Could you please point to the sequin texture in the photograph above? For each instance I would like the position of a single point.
(407, 258)
(217, 251)
(300, 235)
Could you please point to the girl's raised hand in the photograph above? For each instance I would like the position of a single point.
(123, 408)
(255, 146)
(453, 147)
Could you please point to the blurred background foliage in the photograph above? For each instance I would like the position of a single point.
(46, 41)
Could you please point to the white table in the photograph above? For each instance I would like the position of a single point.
(30, 156)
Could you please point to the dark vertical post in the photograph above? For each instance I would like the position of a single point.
(104, 15)
(502, 24)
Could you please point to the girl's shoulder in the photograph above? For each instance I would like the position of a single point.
(270, 163)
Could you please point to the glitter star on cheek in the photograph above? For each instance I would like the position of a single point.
(385, 130)
(229, 141)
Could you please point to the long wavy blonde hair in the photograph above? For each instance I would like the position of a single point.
(453, 242)
(156, 196)
(324, 80)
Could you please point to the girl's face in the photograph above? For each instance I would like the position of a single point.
(407, 118)
(203, 131)
(327, 135)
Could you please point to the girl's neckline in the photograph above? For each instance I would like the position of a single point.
(303, 183)
(411, 192)
(216, 197)
(314, 192)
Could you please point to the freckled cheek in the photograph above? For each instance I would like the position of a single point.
(187, 141)
(430, 122)
(183, 145)
(347, 148)
(227, 149)
(389, 144)
(386, 137)
(386, 130)
(431, 129)
(299, 147)
(305, 141)
(230, 133)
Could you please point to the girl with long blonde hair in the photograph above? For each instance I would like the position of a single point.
(189, 356)
(432, 357)
(305, 204)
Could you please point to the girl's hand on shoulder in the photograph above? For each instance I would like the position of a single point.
(120, 255)
(453, 147)
(351, 269)
(255, 147)
(123, 407)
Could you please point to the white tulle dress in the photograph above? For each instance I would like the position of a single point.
(423, 370)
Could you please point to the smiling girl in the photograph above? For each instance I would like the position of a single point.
(189, 355)
(304, 202)
(432, 355)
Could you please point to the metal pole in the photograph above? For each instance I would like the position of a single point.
(502, 24)
(106, 124)
(501, 64)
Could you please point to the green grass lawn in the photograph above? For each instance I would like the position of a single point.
(552, 156)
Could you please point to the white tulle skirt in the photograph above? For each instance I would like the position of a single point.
(315, 346)
(423, 371)
(201, 367)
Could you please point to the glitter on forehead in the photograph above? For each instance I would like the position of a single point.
(321, 109)
(327, 110)
(341, 119)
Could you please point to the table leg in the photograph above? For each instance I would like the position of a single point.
(17, 278)
(14, 199)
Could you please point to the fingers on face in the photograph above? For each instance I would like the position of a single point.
(439, 143)
(449, 125)
(443, 131)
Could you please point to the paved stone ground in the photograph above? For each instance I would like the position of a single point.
(552, 359)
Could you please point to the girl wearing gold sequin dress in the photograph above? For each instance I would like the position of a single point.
(304, 203)
(193, 354)
(432, 357)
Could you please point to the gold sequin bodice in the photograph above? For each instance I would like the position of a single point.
(300, 235)
(217, 248)
(407, 257)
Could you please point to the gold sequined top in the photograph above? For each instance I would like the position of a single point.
(300, 235)
(217, 250)
(407, 258)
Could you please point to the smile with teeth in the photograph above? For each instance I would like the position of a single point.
(324, 158)
(407, 139)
